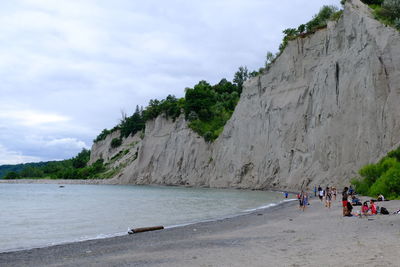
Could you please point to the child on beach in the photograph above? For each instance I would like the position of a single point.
(364, 209)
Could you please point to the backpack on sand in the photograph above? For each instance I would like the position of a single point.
(384, 211)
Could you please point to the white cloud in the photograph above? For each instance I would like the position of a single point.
(14, 157)
(30, 117)
(66, 142)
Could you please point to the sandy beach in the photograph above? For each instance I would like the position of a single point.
(277, 236)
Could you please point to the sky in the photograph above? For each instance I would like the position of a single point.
(69, 68)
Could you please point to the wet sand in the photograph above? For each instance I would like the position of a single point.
(277, 236)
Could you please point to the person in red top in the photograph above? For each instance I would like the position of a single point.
(364, 209)
(372, 207)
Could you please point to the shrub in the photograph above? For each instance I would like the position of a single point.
(392, 7)
(388, 184)
(397, 23)
(116, 142)
(102, 135)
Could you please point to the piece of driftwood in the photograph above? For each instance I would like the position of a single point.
(145, 229)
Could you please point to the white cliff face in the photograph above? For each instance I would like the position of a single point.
(169, 154)
(327, 106)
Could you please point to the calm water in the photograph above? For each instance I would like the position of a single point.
(35, 215)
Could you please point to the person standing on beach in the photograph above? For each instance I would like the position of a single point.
(345, 197)
(320, 193)
(328, 197)
(334, 193)
(300, 198)
(305, 200)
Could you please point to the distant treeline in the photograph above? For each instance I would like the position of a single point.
(4, 169)
(74, 168)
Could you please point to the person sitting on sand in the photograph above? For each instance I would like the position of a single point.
(355, 201)
(349, 209)
(381, 197)
(364, 209)
(372, 207)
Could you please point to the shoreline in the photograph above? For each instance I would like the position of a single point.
(107, 236)
(281, 235)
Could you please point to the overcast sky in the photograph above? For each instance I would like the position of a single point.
(68, 67)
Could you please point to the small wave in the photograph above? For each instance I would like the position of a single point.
(269, 205)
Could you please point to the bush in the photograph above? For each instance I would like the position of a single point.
(397, 23)
(381, 178)
(392, 8)
(102, 135)
(388, 184)
(116, 142)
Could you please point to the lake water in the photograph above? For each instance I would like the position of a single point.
(37, 215)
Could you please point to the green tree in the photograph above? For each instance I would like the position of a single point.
(269, 59)
(200, 99)
(12, 175)
(240, 77)
(80, 160)
(391, 9)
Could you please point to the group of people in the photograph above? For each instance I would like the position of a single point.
(303, 200)
(328, 194)
(349, 199)
(366, 209)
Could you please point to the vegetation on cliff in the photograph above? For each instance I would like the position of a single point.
(206, 107)
(319, 21)
(381, 178)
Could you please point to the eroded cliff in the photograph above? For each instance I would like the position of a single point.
(326, 107)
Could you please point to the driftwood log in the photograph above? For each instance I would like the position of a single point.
(145, 229)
